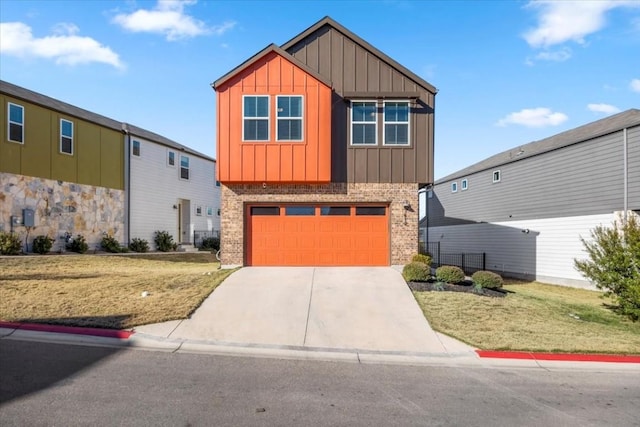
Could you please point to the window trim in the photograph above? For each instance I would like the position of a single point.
(169, 153)
(65, 136)
(188, 168)
(352, 122)
(10, 122)
(498, 174)
(464, 184)
(454, 187)
(268, 118)
(133, 148)
(301, 118)
(408, 123)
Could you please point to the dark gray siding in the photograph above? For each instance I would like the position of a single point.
(353, 69)
(580, 179)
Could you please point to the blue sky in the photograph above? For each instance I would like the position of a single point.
(507, 72)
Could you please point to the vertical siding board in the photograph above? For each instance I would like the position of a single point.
(385, 165)
(373, 166)
(633, 153)
(349, 66)
(397, 160)
(373, 74)
(325, 62)
(361, 84)
(337, 61)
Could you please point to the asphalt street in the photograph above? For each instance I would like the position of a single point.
(45, 384)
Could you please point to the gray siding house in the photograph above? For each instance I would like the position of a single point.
(528, 207)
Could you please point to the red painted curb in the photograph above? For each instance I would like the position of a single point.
(567, 357)
(108, 333)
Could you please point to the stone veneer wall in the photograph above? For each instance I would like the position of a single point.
(404, 233)
(61, 207)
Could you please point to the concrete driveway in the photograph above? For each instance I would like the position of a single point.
(363, 308)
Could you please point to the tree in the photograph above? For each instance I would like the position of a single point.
(614, 264)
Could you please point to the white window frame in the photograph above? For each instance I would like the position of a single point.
(498, 174)
(198, 210)
(188, 168)
(66, 136)
(133, 152)
(301, 118)
(464, 184)
(454, 187)
(169, 153)
(209, 211)
(268, 118)
(353, 122)
(385, 122)
(10, 122)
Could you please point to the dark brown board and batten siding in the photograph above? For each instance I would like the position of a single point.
(355, 69)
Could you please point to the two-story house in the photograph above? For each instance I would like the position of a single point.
(322, 146)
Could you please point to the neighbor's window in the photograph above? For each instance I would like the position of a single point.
(454, 187)
(16, 123)
(218, 212)
(496, 176)
(209, 211)
(217, 183)
(255, 115)
(198, 210)
(396, 123)
(464, 184)
(171, 158)
(184, 167)
(289, 118)
(364, 123)
(66, 136)
(135, 148)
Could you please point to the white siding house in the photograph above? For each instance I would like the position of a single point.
(528, 208)
(171, 188)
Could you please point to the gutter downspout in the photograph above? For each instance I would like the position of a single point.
(127, 185)
(625, 145)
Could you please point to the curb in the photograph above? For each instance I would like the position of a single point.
(74, 330)
(561, 357)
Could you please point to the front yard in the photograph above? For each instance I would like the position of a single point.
(532, 317)
(105, 291)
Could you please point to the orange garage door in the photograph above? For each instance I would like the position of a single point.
(312, 235)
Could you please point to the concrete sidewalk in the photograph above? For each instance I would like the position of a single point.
(363, 309)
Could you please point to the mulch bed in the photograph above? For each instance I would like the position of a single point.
(465, 286)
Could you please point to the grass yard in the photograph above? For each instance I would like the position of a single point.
(106, 291)
(533, 317)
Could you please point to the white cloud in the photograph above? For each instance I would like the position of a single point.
(562, 21)
(168, 18)
(635, 85)
(64, 46)
(533, 117)
(557, 56)
(603, 108)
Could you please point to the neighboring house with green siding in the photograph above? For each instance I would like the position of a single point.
(69, 167)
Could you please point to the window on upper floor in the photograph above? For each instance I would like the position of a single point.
(496, 176)
(364, 123)
(15, 118)
(255, 118)
(396, 123)
(454, 187)
(66, 136)
(184, 167)
(209, 211)
(171, 158)
(464, 184)
(289, 118)
(135, 148)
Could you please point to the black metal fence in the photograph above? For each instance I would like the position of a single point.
(199, 235)
(468, 262)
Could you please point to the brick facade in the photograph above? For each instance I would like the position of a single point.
(403, 226)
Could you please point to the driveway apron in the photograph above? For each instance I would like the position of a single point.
(364, 308)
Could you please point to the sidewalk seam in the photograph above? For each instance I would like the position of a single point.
(306, 326)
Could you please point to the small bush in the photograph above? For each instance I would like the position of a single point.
(416, 272)
(210, 244)
(487, 279)
(139, 245)
(164, 241)
(78, 244)
(423, 258)
(42, 244)
(9, 243)
(449, 274)
(110, 244)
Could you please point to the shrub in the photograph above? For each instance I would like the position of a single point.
(210, 244)
(614, 264)
(164, 241)
(110, 244)
(42, 244)
(139, 245)
(487, 279)
(416, 272)
(449, 274)
(9, 243)
(423, 258)
(78, 244)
